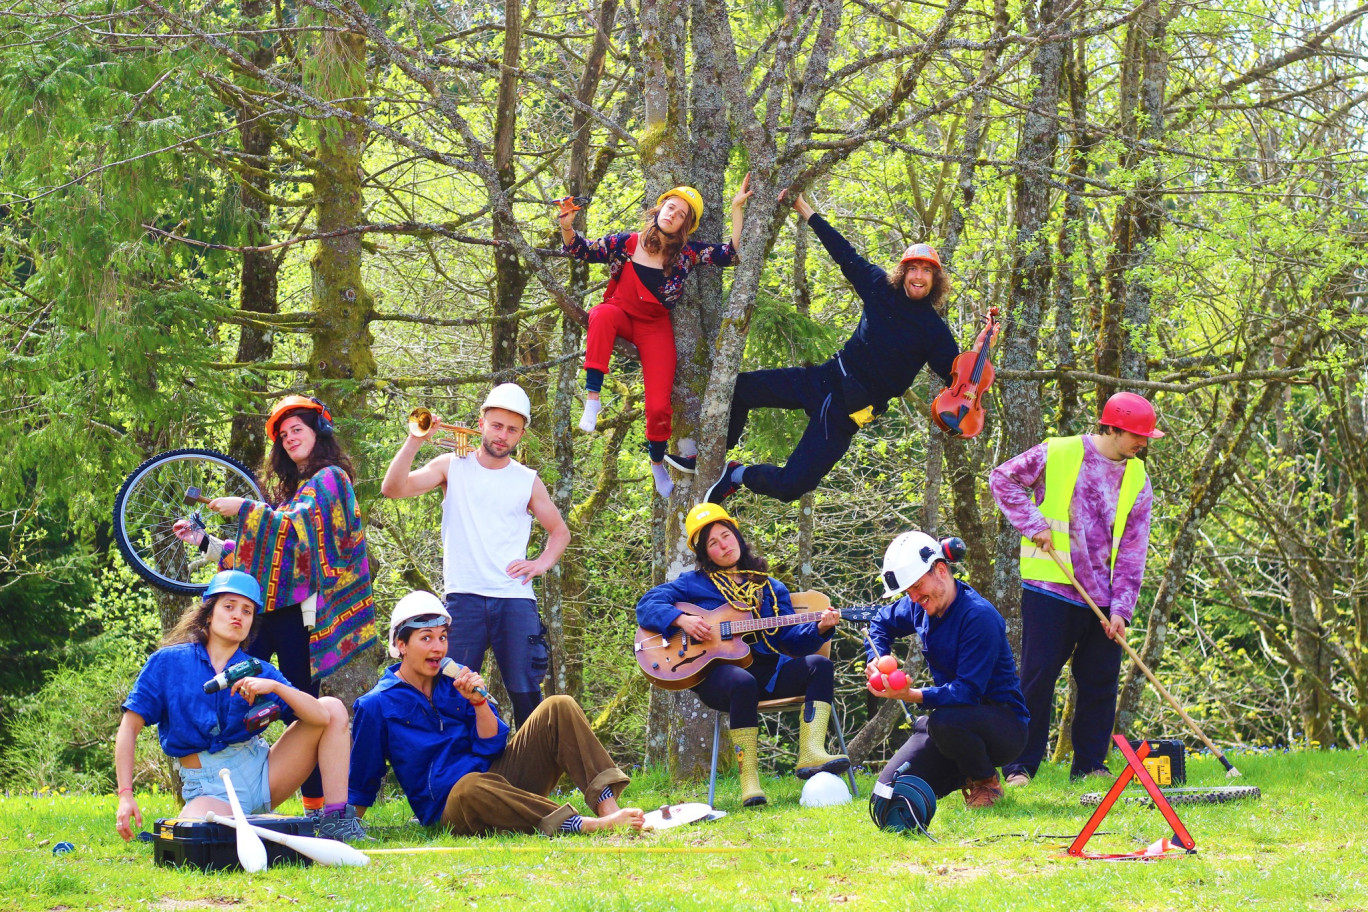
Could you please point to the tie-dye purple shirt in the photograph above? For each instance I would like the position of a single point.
(1018, 485)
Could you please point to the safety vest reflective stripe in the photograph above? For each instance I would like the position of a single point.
(1063, 462)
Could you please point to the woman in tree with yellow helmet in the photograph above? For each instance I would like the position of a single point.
(784, 663)
(307, 552)
(646, 273)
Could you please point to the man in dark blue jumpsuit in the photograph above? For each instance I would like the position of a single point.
(899, 333)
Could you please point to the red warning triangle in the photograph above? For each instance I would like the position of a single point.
(1182, 842)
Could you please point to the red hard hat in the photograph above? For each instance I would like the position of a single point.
(1131, 412)
(923, 253)
(294, 402)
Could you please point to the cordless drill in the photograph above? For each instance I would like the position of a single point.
(232, 674)
(258, 717)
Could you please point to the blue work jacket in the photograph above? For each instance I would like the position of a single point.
(169, 694)
(965, 648)
(656, 612)
(430, 744)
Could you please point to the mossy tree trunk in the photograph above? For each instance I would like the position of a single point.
(1030, 278)
(258, 284)
(565, 582)
(341, 357)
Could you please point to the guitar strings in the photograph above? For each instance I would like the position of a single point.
(746, 589)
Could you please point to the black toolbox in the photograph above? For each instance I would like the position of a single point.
(1165, 761)
(192, 841)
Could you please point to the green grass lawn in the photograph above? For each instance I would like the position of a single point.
(1302, 846)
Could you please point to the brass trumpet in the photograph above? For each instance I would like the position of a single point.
(422, 423)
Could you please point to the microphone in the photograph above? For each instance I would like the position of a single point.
(451, 668)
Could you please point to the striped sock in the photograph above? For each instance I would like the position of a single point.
(573, 824)
(607, 793)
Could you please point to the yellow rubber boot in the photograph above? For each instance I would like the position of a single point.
(745, 741)
(812, 755)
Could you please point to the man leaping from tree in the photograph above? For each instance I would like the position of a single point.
(899, 332)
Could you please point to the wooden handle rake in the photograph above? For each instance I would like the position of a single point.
(1231, 771)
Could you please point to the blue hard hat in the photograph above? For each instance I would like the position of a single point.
(236, 582)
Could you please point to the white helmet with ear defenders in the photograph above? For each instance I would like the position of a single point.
(912, 555)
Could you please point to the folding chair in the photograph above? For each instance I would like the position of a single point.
(801, 601)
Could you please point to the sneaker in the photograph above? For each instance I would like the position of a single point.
(343, 826)
(724, 487)
(982, 793)
(685, 464)
(1018, 779)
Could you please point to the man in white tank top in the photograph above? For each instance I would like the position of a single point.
(489, 500)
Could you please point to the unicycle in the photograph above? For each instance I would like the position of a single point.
(161, 491)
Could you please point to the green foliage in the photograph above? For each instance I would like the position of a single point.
(62, 737)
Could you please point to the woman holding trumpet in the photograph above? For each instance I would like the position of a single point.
(307, 552)
(488, 502)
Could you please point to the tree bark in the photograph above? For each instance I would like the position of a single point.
(258, 285)
(564, 613)
(509, 277)
(341, 334)
(1126, 307)
(1030, 278)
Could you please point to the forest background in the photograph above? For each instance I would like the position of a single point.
(205, 206)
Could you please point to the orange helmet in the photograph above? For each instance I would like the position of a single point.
(325, 425)
(921, 253)
(1131, 412)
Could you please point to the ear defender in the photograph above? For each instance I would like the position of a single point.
(954, 549)
(325, 425)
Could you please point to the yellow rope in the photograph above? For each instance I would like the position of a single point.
(635, 850)
(747, 590)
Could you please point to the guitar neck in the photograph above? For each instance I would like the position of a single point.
(770, 623)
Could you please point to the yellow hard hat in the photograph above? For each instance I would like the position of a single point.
(702, 515)
(690, 196)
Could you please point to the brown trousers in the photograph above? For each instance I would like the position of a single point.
(556, 739)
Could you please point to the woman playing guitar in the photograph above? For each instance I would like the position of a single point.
(783, 661)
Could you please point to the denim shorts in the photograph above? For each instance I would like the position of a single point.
(246, 762)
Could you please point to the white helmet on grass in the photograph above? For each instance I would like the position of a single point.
(824, 790)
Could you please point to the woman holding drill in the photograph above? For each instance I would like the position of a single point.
(646, 274)
(205, 732)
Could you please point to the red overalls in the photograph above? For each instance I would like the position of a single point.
(630, 310)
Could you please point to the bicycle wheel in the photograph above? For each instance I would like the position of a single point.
(152, 498)
(1214, 795)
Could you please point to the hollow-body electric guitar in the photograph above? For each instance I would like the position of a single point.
(681, 661)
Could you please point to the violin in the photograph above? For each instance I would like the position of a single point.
(958, 409)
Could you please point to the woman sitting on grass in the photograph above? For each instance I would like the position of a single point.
(205, 733)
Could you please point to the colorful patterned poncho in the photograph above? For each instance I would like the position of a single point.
(314, 543)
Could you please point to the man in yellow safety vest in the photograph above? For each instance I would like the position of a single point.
(1088, 499)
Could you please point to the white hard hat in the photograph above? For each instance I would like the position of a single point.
(824, 790)
(418, 604)
(509, 396)
(908, 559)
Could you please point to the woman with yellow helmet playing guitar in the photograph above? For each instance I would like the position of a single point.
(783, 663)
